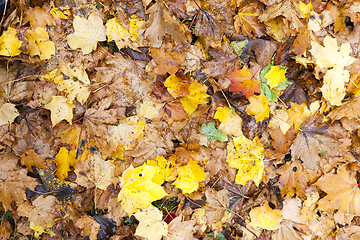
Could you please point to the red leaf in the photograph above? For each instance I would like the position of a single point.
(242, 82)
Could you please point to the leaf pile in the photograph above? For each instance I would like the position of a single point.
(180, 120)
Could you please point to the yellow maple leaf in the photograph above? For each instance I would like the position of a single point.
(164, 169)
(87, 32)
(189, 177)
(9, 43)
(305, 9)
(74, 90)
(40, 229)
(265, 217)
(191, 95)
(77, 72)
(151, 226)
(8, 113)
(246, 156)
(333, 88)
(39, 43)
(275, 76)
(176, 86)
(222, 114)
(62, 14)
(52, 76)
(60, 109)
(116, 32)
(64, 159)
(328, 56)
(196, 97)
(137, 188)
(258, 107)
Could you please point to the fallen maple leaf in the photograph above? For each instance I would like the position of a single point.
(137, 188)
(165, 170)
(38, 17)
(292, 176)
(90, 227)
(10, 43)
(60, 109)
(12, 189)
(8, 113)
(181, 230)
(312, 141)
(39, 43)
(275, 76)
(150, 225)
(189, 177)
(265, 217)
(242, 82)
(30, 158)
(87, 33)
(246, 156)
(344, 198)
(123, 37)
(168, 61)
(258, 107)
(328, 56)
(64, 159)
(247, 20)
(222, 114)
(191, 95)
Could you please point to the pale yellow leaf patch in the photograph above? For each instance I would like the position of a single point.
(8, 113)
(60, 109)
(87, 32)
(150, 226)
(265, 217)
(10, 43)
(39, 43)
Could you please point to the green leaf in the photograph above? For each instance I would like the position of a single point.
(265, 71)
(239, 46)
(269, 94)
(220, 236)
(283, 85)
(213, 133)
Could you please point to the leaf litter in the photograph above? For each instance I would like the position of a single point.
(179, 120)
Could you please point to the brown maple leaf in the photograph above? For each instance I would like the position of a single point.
(343, 194)
(311, 142)
(247, 20)
(168, 61)
(292, 176)
(214, 21)
(13, 188)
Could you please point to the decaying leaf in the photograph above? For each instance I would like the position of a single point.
(344, 197)
(242, 81)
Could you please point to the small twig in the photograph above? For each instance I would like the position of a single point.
(258, 69)
(327, 4)
(191, 24)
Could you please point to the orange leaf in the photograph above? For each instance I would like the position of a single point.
(242, 82)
